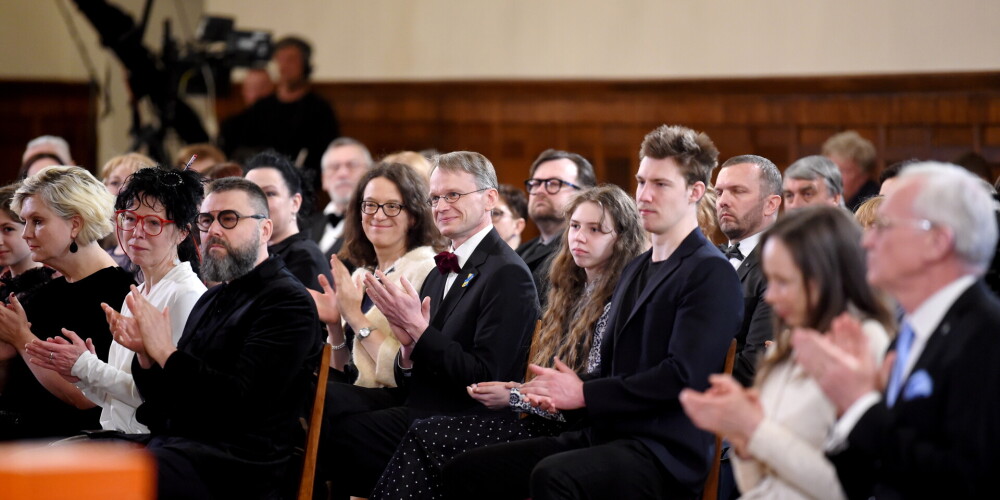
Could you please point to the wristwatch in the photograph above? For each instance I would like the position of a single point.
(363, 333)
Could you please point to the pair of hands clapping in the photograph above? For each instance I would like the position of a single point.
(400, 304)
(147, 333)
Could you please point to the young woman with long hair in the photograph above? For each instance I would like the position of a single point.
(604, 233)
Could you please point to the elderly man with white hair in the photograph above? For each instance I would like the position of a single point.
(933, 430)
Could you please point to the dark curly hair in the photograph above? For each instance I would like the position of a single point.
(179, 192)
(414, 191)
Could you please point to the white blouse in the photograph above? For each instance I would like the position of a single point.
(110, 384)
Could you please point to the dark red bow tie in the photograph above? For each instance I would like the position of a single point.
(447, 262)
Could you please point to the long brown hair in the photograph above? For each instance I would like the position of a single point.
(825, 243)
(567, 329)
(414, 191)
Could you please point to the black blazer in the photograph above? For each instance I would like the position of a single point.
(242, 370)
(757, 324)
(316, 225)
(538, 257)
(940, 442)
(479, 332)
(677, 334)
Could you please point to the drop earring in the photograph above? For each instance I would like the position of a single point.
(73, 247)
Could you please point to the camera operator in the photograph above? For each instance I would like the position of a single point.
(292, 119)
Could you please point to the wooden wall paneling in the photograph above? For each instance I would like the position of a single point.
(29, 109)
(931, 116)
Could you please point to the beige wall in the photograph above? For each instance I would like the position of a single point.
(542, 39)
(37, 45)
(461, 39)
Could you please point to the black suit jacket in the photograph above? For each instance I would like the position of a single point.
(757, 324)
(316, 224)
(675, 335)
(538, 257)
(943, 444)
(242, 370)
(479, 332)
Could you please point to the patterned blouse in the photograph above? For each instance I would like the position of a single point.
(520, 404)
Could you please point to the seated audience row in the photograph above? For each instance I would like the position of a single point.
(430, 351)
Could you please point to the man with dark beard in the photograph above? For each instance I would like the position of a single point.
(223, 404)
(749, 188)
(555, 178)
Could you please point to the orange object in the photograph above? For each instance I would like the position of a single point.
(82, 471)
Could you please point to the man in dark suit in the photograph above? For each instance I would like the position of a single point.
(343, 164)
(471, 322)
(223, 405)
(555, 178)
(672, 317)
(934, 430)
(749, 195)
(749, 189)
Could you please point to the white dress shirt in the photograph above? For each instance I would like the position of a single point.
(330, 233)
(746, 246)
(463, 252)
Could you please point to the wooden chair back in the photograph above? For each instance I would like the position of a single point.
(315, 423)
(711, 491)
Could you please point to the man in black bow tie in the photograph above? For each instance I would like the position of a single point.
(471, 322)
(749, 188)
(343, 164)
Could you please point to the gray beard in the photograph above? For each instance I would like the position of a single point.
(236, 263)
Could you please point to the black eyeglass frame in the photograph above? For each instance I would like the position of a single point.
(205, 226)
(531, 184)
(399, 208)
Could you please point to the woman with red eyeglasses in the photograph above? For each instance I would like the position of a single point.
(155, 214)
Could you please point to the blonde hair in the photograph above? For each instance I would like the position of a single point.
(865, 214)
(69, 191)
(134, 161)
(708, 218)
(415, 160)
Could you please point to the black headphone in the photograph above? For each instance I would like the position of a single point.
(304, 49)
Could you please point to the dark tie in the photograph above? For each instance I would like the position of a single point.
(732, 251)
(447, 262)
(334, 219)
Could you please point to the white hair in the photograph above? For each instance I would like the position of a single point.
(952, 197)
(58, 144)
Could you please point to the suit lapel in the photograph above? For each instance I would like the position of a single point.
(468, 276)
(938, 341)
(689, 245)
(434, 288)
(750, 262)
